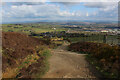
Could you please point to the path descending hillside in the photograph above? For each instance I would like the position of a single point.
(66, 64)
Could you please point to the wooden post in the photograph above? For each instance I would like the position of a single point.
(105, 38)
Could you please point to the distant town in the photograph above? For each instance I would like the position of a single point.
(112, 29)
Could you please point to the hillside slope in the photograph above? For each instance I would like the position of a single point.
(20, 53)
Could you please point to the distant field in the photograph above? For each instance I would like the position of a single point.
(96, 38)
(42, 28)
(37, 28)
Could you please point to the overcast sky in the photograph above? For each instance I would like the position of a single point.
(52, 10)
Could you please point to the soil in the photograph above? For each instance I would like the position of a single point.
(66, 64)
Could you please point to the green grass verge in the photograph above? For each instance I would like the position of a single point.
(45, 67)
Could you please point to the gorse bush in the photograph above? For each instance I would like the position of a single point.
(85, 47)
(104, 56)
(106, 51)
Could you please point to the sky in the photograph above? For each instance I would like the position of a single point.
(16, 11)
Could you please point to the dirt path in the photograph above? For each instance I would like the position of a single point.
(66, 64)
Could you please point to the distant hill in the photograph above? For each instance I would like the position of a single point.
(66, 21)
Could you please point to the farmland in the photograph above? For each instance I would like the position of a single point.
(71, 33)
(28, 28)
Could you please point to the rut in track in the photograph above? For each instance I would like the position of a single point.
(66, 64)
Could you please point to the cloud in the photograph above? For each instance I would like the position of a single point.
(100, 4)
(106, 10)
(84, 0)
(60, 0)
(46, 11)
(92, 3)
(95, 5)
(36, 11)
(23, 0)
(87, 14)
(27, 3)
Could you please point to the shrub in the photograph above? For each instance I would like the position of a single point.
(104, 56)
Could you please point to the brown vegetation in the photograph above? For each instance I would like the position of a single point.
(106, 58)
(20, 53)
